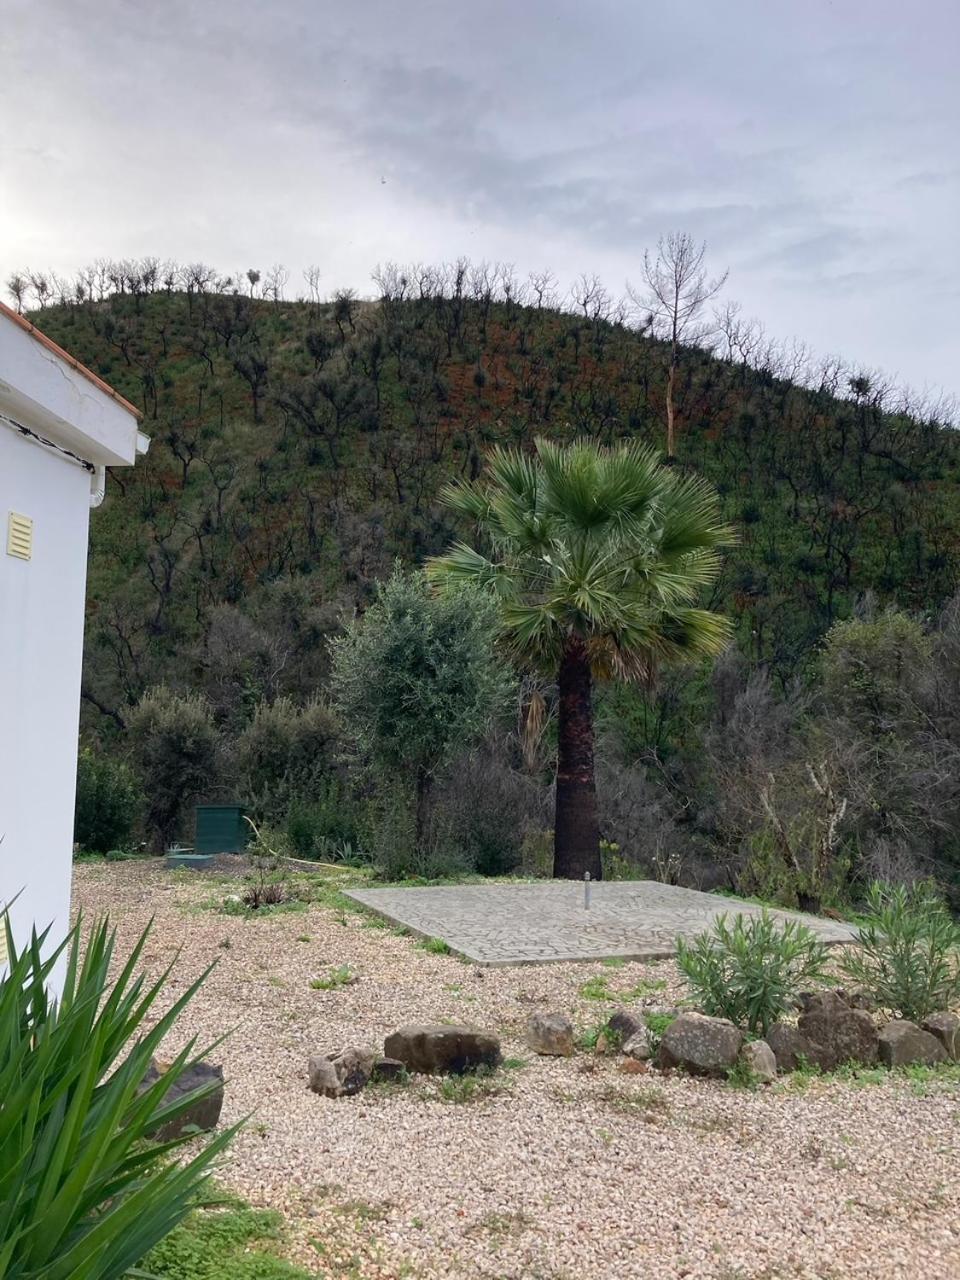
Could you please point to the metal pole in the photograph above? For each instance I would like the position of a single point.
(586, 891)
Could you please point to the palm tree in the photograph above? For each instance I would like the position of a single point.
(596, 556)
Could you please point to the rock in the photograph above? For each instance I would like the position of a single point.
(204, 1113)
(946, 1027)
(790, 1047)
(387, 1071)
(442, 1049)
(340, 1075)
(634, 1067)
(622, 1024)
(839, 1034)
(857, 999)
(550, 1034)
(640, 1044)
(602, 1046)
(758, 1058)
(903, 1043)
(702, 1045)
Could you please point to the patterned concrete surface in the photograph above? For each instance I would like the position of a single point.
(504, 924)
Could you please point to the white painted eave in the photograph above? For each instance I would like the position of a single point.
(45, 390)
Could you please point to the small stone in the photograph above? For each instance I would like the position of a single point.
(903, 1043)
(946, 1027)
(387, 1071)
(634, 1067)
(639, 1045)
(550, 1034)
(758, 1058)
(839, 1033)
(622, 1024)
(701, 1045)
(340, 1075)
(445, 1050)
(204, 1113)
(602, 1045)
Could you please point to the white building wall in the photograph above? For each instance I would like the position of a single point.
(41, 645)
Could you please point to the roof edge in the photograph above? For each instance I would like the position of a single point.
(72, 361)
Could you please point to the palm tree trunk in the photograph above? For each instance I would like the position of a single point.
(576, 837)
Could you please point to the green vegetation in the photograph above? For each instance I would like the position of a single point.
(342, 976)
(417, 680)
(298, 450)
(751, 971)
(233, 1242)
(83, 1191)
(109, 803)
(908, 954)
(595, 556)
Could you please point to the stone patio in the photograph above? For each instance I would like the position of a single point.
(508, 924)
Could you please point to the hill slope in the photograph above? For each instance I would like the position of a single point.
(297, 449)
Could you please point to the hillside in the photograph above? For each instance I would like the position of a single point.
(297, 448)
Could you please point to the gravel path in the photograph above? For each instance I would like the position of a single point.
(570, 1169)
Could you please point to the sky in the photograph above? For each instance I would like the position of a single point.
(813, 146)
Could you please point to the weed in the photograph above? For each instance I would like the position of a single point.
(231, 1243)
(342, 976)
(514, 1064)
(436, 946)
(648, 1100)
(475, 1086)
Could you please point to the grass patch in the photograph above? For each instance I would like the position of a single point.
(647, 1100)
(657, 1023)
(598, 988)
(342, 976)
(230, 1243)
(475, 1086)
(436, 946)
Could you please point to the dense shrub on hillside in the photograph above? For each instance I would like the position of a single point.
(285, 755)
(175, 746)
(109, 803)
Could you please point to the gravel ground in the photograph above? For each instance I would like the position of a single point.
(569, 1168)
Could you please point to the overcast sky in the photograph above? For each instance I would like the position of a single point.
(814, 145)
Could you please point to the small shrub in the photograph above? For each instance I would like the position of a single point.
(109, 803)
(909, 951)
(750, 971)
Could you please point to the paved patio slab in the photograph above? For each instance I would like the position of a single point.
(508, 924)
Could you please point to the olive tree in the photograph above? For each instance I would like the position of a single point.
(415, 680)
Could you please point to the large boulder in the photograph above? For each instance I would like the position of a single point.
(550, 1034)
(441, 1049)
(903, 1043)
(840, 1034)
(204, 1113)
(791, 1048)
(340, 1075)
(946, 1027)
(759, 1060)
(701, 1045)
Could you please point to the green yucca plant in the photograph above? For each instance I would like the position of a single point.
(84, 1193)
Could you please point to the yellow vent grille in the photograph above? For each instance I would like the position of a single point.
(19, 536)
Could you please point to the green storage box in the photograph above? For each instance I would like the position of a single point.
(221, 828)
